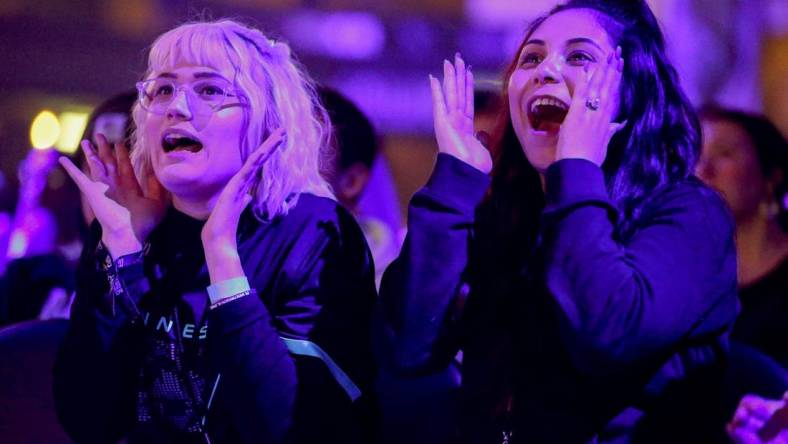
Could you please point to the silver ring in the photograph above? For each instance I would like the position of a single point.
(593, 103)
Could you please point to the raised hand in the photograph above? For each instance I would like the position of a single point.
(588, 126)
(452, 112)
(219, 233)
(752, 414)
(127, 214)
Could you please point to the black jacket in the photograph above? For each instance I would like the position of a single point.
(582, 337)
(147, 362)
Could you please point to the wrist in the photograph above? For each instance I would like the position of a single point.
(228, 288)
(222, 261)
(121, 244)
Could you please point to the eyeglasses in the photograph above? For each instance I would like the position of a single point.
(204, 96)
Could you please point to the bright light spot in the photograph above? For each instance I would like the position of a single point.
(17, 246)
(72, 126)
(352, 35)
(343, 35)
(45, 130)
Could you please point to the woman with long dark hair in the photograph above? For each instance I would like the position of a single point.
(590, 282)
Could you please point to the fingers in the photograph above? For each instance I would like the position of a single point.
(87, 186)
(105, 154)
(605, 81)
(75, 173)
(153, 189)
(449, 86)
(460, 76)
(96, 167)
(438, 101)
(257, 158)
(126, 175)
(469, 105)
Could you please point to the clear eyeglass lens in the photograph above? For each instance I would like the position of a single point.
(156, 94)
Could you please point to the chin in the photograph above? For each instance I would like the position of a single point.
(539, 149)
(178, 179)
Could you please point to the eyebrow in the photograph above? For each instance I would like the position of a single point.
(208, 75)
(197, 75)
(570, 41)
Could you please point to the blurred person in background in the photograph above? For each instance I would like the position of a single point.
(745, 158)
(39, 282)
(32, 270)
(356, 149)
(196, 318)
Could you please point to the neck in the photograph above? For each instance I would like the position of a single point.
(760, 245)
(198, 208)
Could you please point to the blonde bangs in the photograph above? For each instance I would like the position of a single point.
(193, 44)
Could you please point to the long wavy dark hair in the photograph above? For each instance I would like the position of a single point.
(659, 144)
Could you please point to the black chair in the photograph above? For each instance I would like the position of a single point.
(27, 407)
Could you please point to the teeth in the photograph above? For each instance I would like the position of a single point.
(542, 101)
(174, 137)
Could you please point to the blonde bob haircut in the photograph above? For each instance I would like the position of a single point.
(277, 94)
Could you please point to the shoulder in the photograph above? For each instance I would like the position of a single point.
(691, 202)
(313, 220)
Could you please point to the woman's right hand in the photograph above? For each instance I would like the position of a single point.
(752, 414)
(452, 112)
(126, 214)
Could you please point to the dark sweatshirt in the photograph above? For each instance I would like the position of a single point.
(149, 361)
(588, 337)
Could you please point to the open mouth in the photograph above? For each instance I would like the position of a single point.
(180, 141)
(546, 113)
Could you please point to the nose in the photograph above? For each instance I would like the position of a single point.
(179, 106)
(549, 71)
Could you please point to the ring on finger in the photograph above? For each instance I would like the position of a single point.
(593, 103)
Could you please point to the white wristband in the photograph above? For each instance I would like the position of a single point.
(227, 288)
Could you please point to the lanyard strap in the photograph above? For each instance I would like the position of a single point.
(308, 348)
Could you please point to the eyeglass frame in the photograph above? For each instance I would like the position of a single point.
(231, 92)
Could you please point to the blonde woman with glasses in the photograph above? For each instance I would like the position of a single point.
(225, 296)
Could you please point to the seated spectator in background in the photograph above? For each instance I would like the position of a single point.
(31, 269)
(356, 150)
(746, 158)
(39, 282)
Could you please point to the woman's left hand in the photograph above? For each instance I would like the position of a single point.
(588, 126)
(219, 233)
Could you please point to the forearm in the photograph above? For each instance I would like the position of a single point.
(418, 288)
(98, 361)
(222, 260)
